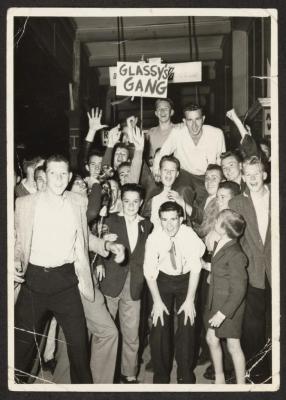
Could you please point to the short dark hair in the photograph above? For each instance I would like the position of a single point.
(132, 187)
(121, 145)
(172, 159)
(233, 187)
(234, 154)
(171, 206)
(215, 167)
(193, 107)
(232, 222)
(56, 158)
(253, 160)
(124, 164)
(167, 100)
(38, 169)
(94, 152)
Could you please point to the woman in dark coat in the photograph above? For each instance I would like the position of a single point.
(226, 300)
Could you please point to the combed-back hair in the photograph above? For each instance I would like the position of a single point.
(193, 107)
(171, 206)
(167, 100)
(253, 160)
(232, 222)
(229, 153)
(215, 167)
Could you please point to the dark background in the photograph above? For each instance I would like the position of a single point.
(281, 6)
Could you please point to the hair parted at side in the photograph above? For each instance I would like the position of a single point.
(232, 222)
(172, 159)
(193, 107)
(132, 187)
(171, 206)
(253, 160)
(233, 154)
(56, 158)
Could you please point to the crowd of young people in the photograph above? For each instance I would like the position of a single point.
(164, 231)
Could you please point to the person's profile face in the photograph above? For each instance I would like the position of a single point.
(168, 173)
(121, 155)
(170, 222)
(212, 180)
(231, 168)
(58, 177)
(194, 121)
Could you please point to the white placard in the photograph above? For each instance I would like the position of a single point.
(142, 79)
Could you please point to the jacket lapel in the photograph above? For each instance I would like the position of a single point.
(221, 251)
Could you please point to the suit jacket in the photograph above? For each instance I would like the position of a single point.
(228, 279)
(116, 274)
(24, 217)
(258, 254)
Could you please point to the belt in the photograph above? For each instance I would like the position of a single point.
(51, 269)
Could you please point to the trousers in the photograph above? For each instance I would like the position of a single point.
(48, 292)
(163, 342)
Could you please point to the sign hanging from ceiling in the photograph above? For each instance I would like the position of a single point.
(141, 79)
(151, 79)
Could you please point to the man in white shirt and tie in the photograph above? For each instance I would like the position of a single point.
(172, 268)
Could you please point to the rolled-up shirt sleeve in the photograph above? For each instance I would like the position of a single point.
(150, 266)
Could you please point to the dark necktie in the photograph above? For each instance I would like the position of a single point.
(173, 255)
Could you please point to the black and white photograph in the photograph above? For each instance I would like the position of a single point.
(143, 187)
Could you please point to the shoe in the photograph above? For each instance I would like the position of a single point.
(123, 379)
(149, 366)
(191, 381)
(209, 373)
(49, 365)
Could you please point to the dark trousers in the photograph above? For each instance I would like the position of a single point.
(191, 187)
(173, 290)
(254, 332)
(49, 292)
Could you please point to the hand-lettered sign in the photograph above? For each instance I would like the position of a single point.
(141, 79)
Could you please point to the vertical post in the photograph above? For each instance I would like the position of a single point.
(74, 114)
(141, 115)
(240, 71)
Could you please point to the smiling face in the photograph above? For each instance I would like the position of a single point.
(58, 177)
(123, 174)
(164, 111)
(194, 121)
(131, 203)
(231, 169)
(254, 177)
(170, 222)
(79, 186)
(168, 173)
(212, 180)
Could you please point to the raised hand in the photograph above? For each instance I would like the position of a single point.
(94, 120)
(231, 114)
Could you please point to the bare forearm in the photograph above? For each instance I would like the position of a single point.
(193, 284)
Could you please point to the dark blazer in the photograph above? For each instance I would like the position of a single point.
(228, 288)
(258, 254)
(116, 274)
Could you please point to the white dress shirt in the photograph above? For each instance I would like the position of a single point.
(189, 250)
(261, 205)
(54, 232)
(194, 158)
(132, 231)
